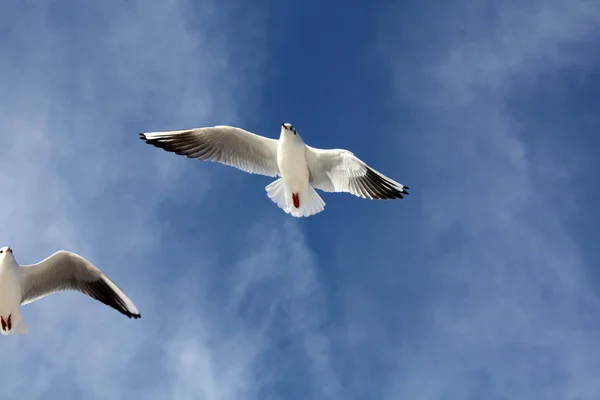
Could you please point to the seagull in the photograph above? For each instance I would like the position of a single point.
(63, 270)
(301, 168)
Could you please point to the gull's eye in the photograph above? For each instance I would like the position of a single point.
(1, 251)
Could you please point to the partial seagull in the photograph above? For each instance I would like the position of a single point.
(63, 270)
(300, 167)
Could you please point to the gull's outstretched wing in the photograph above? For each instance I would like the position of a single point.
(223, 144)
(64, 270)
(339, 170)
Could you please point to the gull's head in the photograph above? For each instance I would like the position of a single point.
(6, 253)
(286, 127)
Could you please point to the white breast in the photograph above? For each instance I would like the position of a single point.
(291, 158)
(10, 289)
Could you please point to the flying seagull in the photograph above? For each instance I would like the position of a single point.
(301, 168)
(63, 270)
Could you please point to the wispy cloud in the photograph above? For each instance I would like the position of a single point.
(80, 83)
(482, 294)
(510, 316)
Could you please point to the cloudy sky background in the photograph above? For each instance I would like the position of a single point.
(482, 284)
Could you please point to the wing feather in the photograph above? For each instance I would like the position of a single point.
(223, 144)
(339, 170)
(64, 270)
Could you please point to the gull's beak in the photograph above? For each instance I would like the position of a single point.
(9, 250)
(283, 125)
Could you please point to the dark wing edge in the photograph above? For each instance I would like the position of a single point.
(339, 170)
(102, 291)
(68, 271)
(376, 186)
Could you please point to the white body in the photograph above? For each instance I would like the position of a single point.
(291, 159)
(295, 177)
(10, 287)
(10, 296)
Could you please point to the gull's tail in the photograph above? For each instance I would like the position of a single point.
(302, 204)
(13, 323)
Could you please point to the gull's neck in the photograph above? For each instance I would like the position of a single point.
(8, 264)
(290, 140)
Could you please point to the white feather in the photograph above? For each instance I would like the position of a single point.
(223, 144)
(340, 170)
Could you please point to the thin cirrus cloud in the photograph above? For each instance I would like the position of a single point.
(512, 314)
(82, 82)
(487, 298)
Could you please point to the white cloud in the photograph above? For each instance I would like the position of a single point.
(507, 316)
(82, 82)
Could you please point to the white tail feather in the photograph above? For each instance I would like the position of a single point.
(310, 201)
(276, 192)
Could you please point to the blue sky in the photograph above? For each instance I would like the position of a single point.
(482, 284)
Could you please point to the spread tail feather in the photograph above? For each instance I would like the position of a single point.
(13, 324)
(310, 203)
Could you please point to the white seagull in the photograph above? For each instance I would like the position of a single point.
(301, 168)
(61, 271)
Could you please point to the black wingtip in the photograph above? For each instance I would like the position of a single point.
(142, 136)
(129, 314)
